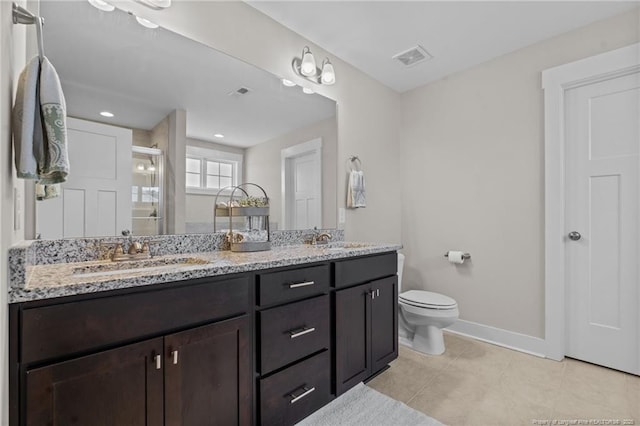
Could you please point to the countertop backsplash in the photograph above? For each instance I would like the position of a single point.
(68, 250)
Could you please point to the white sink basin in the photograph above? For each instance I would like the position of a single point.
(125, 267)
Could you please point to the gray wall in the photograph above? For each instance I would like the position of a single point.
(263, 166)
(473, 178)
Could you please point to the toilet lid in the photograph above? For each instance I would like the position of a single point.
(427, 299)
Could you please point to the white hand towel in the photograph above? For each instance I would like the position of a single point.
(53, 108)
(355, 190)
(27, 129)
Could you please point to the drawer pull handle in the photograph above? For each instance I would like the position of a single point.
(302, 332)
(175, 356)
(303, 284)
(302, 395)
(158, 362)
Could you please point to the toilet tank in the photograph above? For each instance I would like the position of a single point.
(400, 267)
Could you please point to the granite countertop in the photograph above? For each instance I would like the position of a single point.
(66, 279)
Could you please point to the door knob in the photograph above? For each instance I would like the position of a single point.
(574, 235)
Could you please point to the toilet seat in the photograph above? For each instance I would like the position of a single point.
(427, 299)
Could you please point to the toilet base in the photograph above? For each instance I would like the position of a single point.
(428, 339)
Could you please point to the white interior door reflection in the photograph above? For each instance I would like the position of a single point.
(302, 185)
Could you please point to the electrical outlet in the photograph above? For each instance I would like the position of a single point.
(342, 217)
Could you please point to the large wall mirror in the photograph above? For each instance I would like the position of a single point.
(159, 123)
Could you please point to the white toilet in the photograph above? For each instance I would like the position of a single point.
(422, 316)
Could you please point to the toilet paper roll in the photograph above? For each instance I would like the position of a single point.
(456, 257)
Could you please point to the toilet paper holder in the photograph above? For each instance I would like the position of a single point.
(465, 256)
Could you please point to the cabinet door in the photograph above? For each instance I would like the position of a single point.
(353, 328)
(208, 375)
(384, 322)
(117, 387)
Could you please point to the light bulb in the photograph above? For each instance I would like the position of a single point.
(288, 83)
(140, 166)
(308, 64)
(307, 91)
(151, 168)
(102, 5)
(328, 74)
(146, 23)
(106, 114)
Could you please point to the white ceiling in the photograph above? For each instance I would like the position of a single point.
(107, 61)
(458, 34)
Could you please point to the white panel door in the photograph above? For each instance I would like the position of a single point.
(302, 185)
(602, 210)
(96, 198)
(305, 194)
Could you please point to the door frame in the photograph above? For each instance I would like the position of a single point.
(314, 147)
(555, 82)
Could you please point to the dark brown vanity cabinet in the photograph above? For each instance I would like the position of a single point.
(294, 363)
(267, 348)
(366, 319)
(187, 365)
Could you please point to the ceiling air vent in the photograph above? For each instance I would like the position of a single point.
(413, 56)
(240, 91)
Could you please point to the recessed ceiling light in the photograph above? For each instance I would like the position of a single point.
(218, 135)
(288, 83)
(146, 23)
(308, 91)
(106, 114)
(102, 5)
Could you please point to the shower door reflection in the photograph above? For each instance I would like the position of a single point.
(147, 191)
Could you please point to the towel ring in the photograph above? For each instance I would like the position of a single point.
(355, 163)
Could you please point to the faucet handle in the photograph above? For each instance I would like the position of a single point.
(134, 247)
(146, 245)
(117, 251)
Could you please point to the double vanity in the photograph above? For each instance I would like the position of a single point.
(200, 338)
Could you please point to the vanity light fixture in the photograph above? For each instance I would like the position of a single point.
(106, 114)
(146, 23)
(306, 67)
(102, 5)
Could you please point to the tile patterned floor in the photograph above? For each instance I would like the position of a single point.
(476, 383)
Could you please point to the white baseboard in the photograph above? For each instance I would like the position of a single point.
(497, 336)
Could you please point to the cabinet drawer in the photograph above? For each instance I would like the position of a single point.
(293, 394)
(69, 328)
(293, 284)
(293, 331)
(357, 271)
